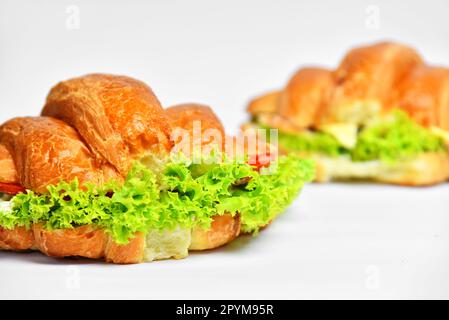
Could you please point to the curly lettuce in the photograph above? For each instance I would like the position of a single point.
(182, 195)
(395, 138)
(389, 139)
(266, 196)
(311, 142)
(121, 209)
(214, 190)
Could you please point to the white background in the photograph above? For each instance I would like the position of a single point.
(336, 241)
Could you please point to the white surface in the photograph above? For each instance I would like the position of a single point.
(335, 241)
(221, 54)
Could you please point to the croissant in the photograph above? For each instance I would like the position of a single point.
(98, 175)
(382, 115)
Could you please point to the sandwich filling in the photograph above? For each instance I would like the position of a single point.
(164, 204)
(380, 145)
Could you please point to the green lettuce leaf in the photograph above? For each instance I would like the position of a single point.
(394, 139)
(390, 139)
(121, 209)
(182, 195)
(214, 191)
(266, 196)
(311, 142)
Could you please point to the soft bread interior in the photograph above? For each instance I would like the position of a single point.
(161, 245)
(167, 244)
(425, 169)
(223, 230)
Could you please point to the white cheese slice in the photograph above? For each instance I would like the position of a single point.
(345, 133)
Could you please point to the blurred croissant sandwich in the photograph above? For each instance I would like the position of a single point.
(96, 176)
(383, 115)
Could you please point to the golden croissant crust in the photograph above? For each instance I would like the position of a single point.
(369, 81)
(120, 118)
(46, 151)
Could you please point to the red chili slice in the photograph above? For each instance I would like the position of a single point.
(11, 188)
(259, 161)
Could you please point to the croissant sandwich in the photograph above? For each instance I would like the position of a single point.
(101, 174)
(383, 115)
